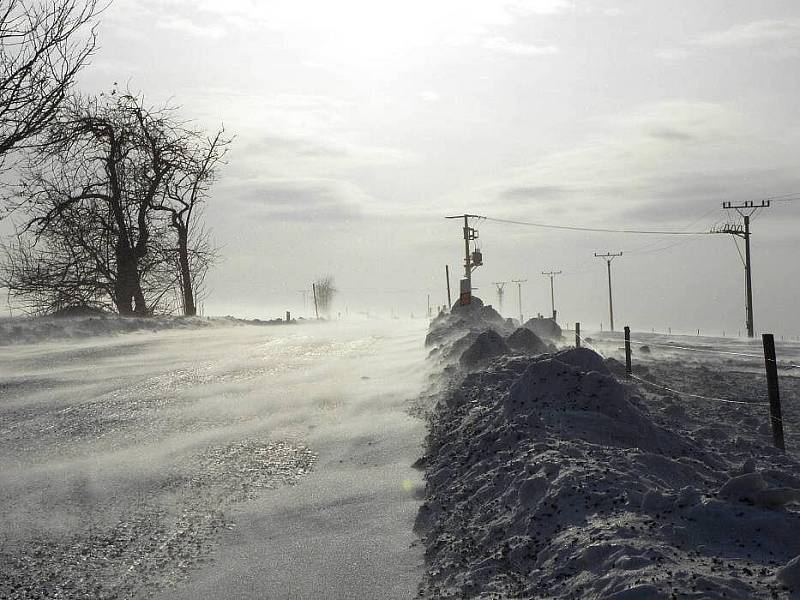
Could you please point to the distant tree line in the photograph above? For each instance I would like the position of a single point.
(107, 192)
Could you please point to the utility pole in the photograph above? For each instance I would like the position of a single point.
(608, 257)
(519, 283)
(500, 285)
(471, 260)
(552, 274)
(745, 210)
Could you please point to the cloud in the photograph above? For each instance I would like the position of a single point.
(505, 46)
(298, 200)
(536, 193)
(684, 152)
(187, 26)
(767, 32)
(751, 34)
(428, 96)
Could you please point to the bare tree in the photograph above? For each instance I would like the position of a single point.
(325, 290)
(43, 45)
(113, 204)
(45, 278)
(182, 199)
(108, 157)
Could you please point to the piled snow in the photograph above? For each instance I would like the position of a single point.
(487, 345)
(544, 328)
(28, 330)
(549, 478)
(451, 334)
(525, 341)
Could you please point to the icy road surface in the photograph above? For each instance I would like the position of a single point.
(242, 462)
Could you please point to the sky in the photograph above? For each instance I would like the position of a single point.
(361, 124)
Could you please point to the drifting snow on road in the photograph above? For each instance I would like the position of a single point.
(127, 461)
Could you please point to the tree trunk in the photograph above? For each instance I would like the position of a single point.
(129, 298)
(189, 308)
(125, 284)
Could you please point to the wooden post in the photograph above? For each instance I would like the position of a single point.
(314, 289)
(447, 274)
(772, 388)
(628, 370)
(288, 317)
(577, 335)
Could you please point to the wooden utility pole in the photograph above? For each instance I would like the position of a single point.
(608, 257)
(745, 210)
(471, 260)
(519, 283)
(551, 275)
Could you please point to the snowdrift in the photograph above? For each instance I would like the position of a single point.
(549, 478)
(471, 336)
(545, 328)
(39, 329)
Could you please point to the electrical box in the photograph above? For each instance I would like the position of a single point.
(466, 292)
(477, 258)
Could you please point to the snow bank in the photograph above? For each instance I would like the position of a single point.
(472, 335)
(38, 329)
(486, 346)
(544, 328)
(549, 478)
(525, 341)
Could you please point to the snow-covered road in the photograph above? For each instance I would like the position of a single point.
(237, 462)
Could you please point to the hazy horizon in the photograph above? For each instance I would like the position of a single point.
(360, 125)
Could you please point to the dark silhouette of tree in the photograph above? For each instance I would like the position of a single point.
(325, 290)
(182, 199)
(43, 45)
(113, 211)
(107, 158)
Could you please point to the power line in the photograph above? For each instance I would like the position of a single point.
(784, 197)
(594, 229)
(640, 249)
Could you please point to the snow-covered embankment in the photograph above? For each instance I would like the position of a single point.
(547, 477)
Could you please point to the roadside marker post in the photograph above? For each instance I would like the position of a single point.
(628, 370)
(772, 388)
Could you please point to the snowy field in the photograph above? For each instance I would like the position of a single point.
(719, 370)
(551, 476)
(224, 462)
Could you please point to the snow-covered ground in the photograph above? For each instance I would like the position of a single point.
(212, 459)
(217, 462)
(29, 330)
(550, 476)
